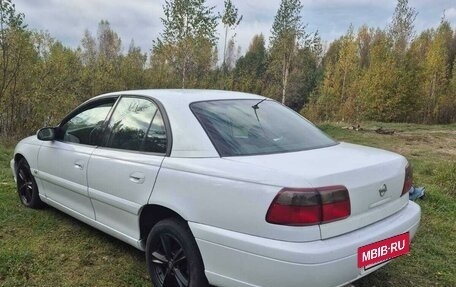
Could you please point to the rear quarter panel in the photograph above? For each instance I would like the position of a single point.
(225, 194)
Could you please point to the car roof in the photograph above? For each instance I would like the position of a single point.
(186, 96)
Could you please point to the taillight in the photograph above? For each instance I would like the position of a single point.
(309, 206)
(408, 181)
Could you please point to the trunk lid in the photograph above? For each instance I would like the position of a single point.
(373, 177)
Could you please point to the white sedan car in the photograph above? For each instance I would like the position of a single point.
(222, 188)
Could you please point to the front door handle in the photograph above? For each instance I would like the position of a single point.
(137, 177)
(79, 164)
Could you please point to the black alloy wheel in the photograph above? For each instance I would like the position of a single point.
(173, 257)
(26, 186)
(169, 262)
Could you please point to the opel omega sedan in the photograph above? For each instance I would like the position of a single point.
(222, 188)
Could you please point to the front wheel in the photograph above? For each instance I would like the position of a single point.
(173, 257)
(26, 186)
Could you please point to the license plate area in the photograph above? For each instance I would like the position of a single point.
(382, 251)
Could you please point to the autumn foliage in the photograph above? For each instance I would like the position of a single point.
(383, 74)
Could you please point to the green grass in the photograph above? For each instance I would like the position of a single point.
(48, 248)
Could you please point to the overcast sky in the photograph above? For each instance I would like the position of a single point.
(66, 20)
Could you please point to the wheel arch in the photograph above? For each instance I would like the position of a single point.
(150, 215)
(17, 157)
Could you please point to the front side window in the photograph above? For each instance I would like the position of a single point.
(136, 124)
(82, 127)
(250, 127)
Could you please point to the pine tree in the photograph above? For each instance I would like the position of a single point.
(251, 68)
(132, 68)
(364, 44)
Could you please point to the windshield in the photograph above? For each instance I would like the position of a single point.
(250, 127)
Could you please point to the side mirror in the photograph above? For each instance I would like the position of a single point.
(46, 134)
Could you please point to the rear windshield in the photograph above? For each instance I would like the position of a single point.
(250, 127)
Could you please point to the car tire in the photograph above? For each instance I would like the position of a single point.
(172, 256)
(26, 186)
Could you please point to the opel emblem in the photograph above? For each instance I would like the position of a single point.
(383, 190)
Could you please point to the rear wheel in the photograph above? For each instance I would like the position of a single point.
(173, 257)
(26, 186)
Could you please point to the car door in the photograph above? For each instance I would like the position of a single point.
(62, 163)
(122, 173)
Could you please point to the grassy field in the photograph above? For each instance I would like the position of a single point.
(49, 248)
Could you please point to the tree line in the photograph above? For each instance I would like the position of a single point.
(383, 74)
(389, 74)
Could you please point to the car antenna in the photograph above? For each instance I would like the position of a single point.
(256, 106)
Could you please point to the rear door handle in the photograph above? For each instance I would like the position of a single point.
(137, 177)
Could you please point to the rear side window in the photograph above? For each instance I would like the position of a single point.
(156, 136)
(136, 124)
(249, 127)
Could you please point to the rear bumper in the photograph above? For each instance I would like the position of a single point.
(235, 259)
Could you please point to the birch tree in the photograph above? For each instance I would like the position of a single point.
(189, 30)
(401, 28)
(287, 32)
(230, 20)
